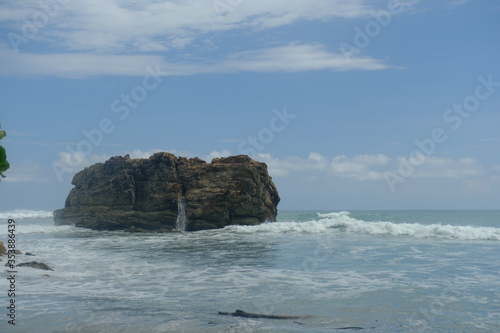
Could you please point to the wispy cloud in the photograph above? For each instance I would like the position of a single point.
(73, 65)
(370, 167)
(91, 38)
(289, 58)
(150, 25)
(457, 3)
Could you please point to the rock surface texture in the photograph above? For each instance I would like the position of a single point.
(150, 194)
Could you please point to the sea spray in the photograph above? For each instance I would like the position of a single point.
(182, 220)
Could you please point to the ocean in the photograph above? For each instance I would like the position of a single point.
(385, 271)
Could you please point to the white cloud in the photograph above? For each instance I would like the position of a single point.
(74, 65)
(290, 58)
(294, 58)
(358, 167)
(71, 163)
(366, 167)
(216, 154)
(116, 26)
(370, 167)
(16, 12)
(146, 154)
(283, 167)
(89, 37)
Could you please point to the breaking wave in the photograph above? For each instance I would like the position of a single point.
(333, 215)
(341, 222)
(25, 214)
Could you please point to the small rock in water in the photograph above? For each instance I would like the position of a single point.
(29, 254)
(36, 264)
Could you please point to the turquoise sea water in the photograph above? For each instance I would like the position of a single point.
(387, 271)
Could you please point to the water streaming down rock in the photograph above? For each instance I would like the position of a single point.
(182, 221)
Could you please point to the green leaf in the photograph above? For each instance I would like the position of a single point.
(4, 165)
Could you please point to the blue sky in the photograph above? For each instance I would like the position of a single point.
(352, 104)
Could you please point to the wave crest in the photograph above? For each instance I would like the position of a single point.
(25, 214)
(418, 230)
(333, 215)
(341, 222)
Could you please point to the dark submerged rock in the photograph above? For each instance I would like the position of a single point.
(36, 264)
(241, 313)
(144, 194)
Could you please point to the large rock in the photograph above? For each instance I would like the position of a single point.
(126, 194)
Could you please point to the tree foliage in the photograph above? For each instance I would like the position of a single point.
(4, 165)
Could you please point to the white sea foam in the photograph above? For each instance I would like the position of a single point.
(312, 227)
(44, 229)
(25, 214)
(420, 230)
(333, 215)
(341, 222)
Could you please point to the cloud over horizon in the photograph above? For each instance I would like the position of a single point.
(366, 167)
